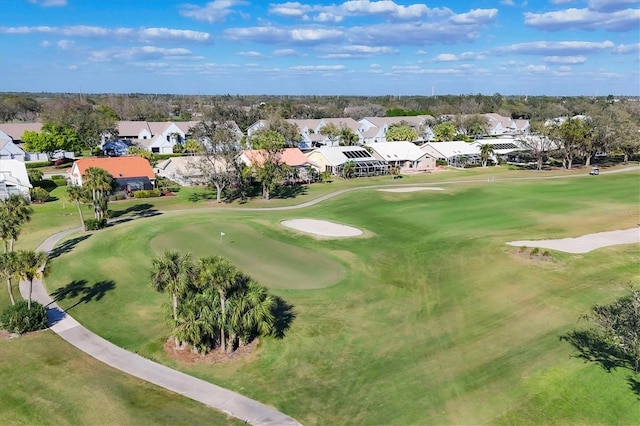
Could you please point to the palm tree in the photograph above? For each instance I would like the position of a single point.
(485, 151)
(348, 169)
(348, 137)
(250, 312)
(8, 270)
(78, 194)
(14, 212)
(219, 275)
(31, 265)
(171, 272)
(99, 182)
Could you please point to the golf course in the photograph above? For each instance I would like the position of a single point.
(427, 317)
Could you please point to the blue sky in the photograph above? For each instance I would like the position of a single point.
(356, 47)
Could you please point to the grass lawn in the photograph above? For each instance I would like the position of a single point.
(47, 381)
(431, 319)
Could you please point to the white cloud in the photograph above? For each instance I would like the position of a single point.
(143, 34)
(66, 44)
(627, 48)
(565, 59)
(138, 53)
(251, 54)
(172, 34)
(466, 56)
(49, 3)
(281, 35)
(584, 19)
(214, 11)
(555, 48)
(318, 68)
(357, 51)
(611, 5)
(286, 52)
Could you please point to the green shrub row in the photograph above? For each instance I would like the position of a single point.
(19, 318)
(38, 164)
(146, 193)
(94, 224)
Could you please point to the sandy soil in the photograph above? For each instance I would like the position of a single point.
(322, 227)
(585, 243)
(411, 189)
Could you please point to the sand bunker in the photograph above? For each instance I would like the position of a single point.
(411, 189)
(322, 227)
(585, 243)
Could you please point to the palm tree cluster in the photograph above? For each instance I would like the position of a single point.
(22, 264)
(213, 304)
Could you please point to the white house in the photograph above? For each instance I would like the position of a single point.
(331, 159)
(456, 153)
(11, 151)
(405, 155)
(374, 129)
(13, 179)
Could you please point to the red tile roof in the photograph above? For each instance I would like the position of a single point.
(290, 156)
(118, 167)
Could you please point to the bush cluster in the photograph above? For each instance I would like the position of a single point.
(95, 224)
(146, 193)
(19, 318)
(39, 195)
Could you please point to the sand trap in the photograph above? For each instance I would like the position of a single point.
(322, 227)
(585, 243)
(411, 189)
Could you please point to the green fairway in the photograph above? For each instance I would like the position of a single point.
(278, 264)
(47, 381)
(433, 319)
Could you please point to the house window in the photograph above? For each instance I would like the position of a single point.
(155, 150)
(168, 138)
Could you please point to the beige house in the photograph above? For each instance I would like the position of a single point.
(407, 156)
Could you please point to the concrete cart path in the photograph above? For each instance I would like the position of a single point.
(69, 329)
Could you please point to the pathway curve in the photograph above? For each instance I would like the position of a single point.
(207, 393)
(72, 331)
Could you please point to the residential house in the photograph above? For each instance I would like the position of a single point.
(407, 156)
(499, 125)
(14, 179)
(331, 159)
(456, 153)
(185, 170)
(11, 151)
(130, 173)
(160, 137)
(374, 129)
(292, 157)
(502, 147)
(310, 135)
(15, 131)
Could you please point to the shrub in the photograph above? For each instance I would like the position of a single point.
(522, 249)
(38, 164)
(546, 253)
(118, 197)
(39, 195)
(146, 193)
(535, 251)
(441, 162)
(94, 224)
(19, 318)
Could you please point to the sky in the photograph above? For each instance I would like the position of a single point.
(354, 47)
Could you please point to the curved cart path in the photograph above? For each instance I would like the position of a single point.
(72, 331)
(229, 402)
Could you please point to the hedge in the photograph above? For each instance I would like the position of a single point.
(38, 164)
(94, 224)
(146, 193)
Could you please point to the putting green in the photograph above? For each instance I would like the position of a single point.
(273, 263)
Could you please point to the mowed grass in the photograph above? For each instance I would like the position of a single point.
(47, 381)
(435, 319)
